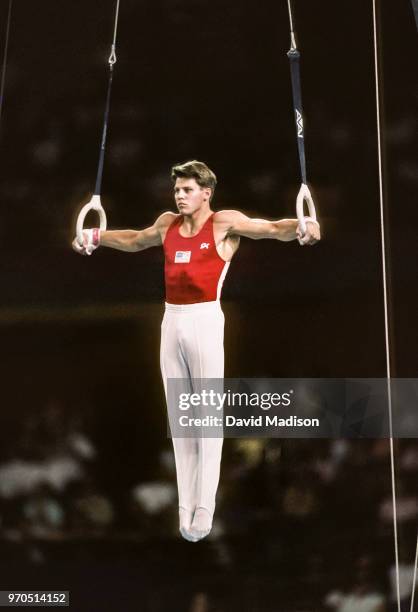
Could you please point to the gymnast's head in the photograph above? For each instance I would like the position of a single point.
(194, 186)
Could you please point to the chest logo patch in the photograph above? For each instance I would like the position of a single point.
(204, 245)
(182, 256)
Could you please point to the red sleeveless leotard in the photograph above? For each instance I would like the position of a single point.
(194, 271)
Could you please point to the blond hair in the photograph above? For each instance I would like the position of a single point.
(197, 170)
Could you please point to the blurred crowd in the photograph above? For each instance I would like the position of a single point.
(313, 516)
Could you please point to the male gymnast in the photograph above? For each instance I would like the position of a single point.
(198, 247)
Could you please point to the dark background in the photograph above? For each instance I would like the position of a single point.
(204, 80)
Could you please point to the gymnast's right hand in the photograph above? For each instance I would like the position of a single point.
(91, 240)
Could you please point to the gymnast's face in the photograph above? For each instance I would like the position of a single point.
(189, 196)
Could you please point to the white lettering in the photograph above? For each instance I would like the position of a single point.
(299, 123)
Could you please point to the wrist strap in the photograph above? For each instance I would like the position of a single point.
(95, 236)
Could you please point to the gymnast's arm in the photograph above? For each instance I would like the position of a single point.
(237, 224)
(126, 240)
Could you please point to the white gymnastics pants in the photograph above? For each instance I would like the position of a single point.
(192, 348)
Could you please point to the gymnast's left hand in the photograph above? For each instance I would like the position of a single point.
(312, 234)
